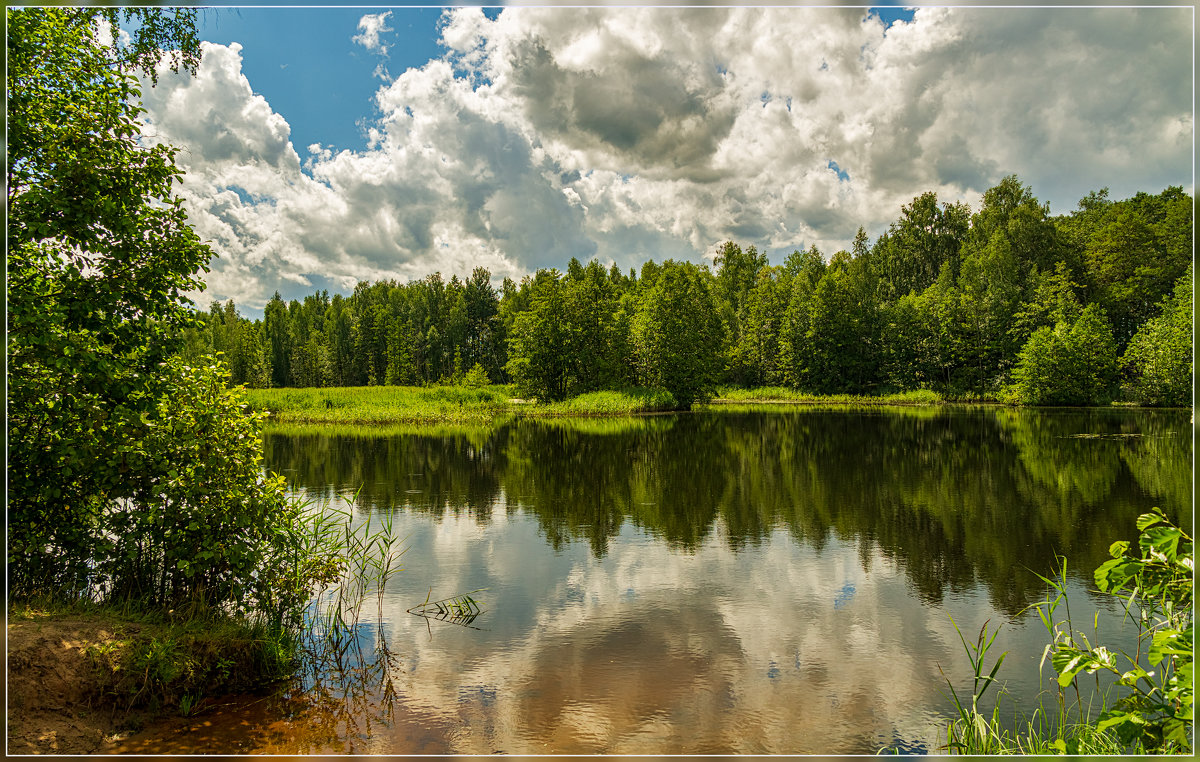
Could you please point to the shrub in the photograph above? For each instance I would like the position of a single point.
(476, 378)
(1069, 364)
(1155, 585)
(1152, 712)
(1157, 364)
(200, 526)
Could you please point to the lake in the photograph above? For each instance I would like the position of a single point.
(780, 579)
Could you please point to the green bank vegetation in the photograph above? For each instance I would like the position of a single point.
(1149, 709)
(382, 405)
(785, 394)
(440, 405)
(400, 406)
(135, 481)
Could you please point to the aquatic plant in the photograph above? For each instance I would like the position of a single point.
(1151, 707)
(457, 609)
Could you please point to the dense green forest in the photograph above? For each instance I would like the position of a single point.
(1005, 303)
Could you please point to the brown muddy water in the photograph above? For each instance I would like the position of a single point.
(745, 580)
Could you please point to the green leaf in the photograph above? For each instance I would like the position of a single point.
(1147, 520)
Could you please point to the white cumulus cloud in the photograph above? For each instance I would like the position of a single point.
(370, 27)
(629, 134)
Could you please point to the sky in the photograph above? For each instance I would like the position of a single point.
(327, 146)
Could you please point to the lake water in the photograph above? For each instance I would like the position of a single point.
(741, 580)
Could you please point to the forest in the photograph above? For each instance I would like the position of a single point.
(1007, 303)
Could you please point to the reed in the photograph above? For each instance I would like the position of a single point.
(1149, 708)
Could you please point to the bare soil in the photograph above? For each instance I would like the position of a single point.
(54, 686)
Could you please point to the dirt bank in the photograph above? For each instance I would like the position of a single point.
(56, 698)
(54, 684)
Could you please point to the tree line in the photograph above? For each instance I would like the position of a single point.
(1004, 303)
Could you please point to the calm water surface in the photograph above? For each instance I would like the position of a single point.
(780, 580)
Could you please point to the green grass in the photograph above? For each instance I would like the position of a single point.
(474, 431)
(618, 402)
(382, 404)
(401, 407)
(784, 394)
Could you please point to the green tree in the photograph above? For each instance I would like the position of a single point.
(278, 334)
(1070, 364)
(1158, 364)
(1054, 300)
(926, 237)
(758, 349)
(795, 356)
(1129, 253)
(991, 284)
(843, 328)
(1011, 211)
(590, 305)
(99, 254)
(538, 343)
(485, 336)
(132, 474)
(677, 335)
(737, 273)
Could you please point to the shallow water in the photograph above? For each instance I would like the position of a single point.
(780, 580)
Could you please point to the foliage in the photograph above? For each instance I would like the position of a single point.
(916, 247)
(1073, 364)
(382, 405)
(676, 334)
(972, 732)
(1158, 364)
(616, 402)
(842, 334)
(1156, 585)
(202, 525)
(540, 340)
(476, 378)
(1153, 711)
(785, 394)
(944, 300)
(135, 476)
(99, 253)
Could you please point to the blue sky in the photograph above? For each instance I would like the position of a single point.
(306, 65)
(517, 138)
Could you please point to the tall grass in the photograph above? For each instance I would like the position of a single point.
(443, 405)
(382, 404)
(614, 402)
(785, 394)
(473, 431)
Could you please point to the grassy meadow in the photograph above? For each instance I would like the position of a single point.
(464, 406)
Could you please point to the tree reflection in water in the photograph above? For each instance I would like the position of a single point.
(956, 495)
